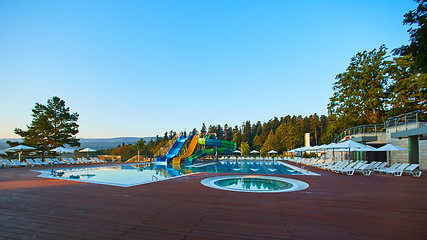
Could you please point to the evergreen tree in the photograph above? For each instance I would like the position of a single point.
(203, 129)
(417, 19)
(228, 134)
(270, 143)
(408, 91)
(219, 132)
(247, 133)
(237, 138)
(52, 126)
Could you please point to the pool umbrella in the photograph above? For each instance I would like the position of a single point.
(87, 150)
(62, 150)
(272, 151)
(390, 147)
(255, 152)
(19, 149)
(353, 146)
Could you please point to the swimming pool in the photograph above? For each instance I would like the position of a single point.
(255, 183)
(127, 175)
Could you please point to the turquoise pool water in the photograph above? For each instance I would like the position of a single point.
(127, 175)
(254, 183)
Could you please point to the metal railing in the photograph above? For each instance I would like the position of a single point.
(361, 130)
(403, 119)
(407, 118)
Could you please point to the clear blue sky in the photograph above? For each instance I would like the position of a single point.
(141, 68)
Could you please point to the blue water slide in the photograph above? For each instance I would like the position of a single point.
(174, 150)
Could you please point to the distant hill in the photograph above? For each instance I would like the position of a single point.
(95, 143)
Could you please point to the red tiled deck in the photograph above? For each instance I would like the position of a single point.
(333, 207)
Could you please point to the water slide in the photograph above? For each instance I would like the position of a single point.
(174, 150)
(223, 147)
(190, 150)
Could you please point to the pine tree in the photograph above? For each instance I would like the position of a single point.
(52, 126)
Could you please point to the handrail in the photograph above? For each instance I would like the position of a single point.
(152, 178)
(362, 129)
(402, 119)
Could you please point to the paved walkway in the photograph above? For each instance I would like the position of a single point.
(333, 207)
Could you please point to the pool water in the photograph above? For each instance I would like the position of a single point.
(253, 184)
(127, 175)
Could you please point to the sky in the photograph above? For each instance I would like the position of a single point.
(141, 68)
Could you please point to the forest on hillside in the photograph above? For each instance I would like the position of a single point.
(280, 134)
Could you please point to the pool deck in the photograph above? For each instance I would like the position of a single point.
(335, 206)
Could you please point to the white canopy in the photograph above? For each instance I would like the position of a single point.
(62, 150)
(19, 148)
(353, 146)
(391, 147)
(272, 151)
(87, 150)
(254, 151)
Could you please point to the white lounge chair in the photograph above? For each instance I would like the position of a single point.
(413, 169)
(73, 161)
(349, 170)
(40, 162)
(31, 162)
(399, 170)
(18, 163)
(8, 163)
(365, 169)
(66, 160)
(387, 169)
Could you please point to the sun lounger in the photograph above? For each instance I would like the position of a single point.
(399, 170)
(365, 169)
(17, 162)
(8, 163)
(386, 169)
(343, 167)
(66, 160)
(40, 162)
(349, 169)
(73, 161)
(59, 160)
(95, 160)
(84, 160)
(413, 169)
(31, 162)
(53, 160)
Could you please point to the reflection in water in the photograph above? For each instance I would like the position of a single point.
(259, 184)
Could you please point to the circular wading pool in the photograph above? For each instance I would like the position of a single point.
(259, 184)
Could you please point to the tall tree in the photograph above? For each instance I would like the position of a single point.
(417, 20)
(237, 138)
(247, 133)
(52, 126)
(407, 91)
(203, 129)
(245, 148)
(359, 93)
(269, 144)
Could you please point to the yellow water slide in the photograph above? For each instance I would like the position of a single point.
(190, 150)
